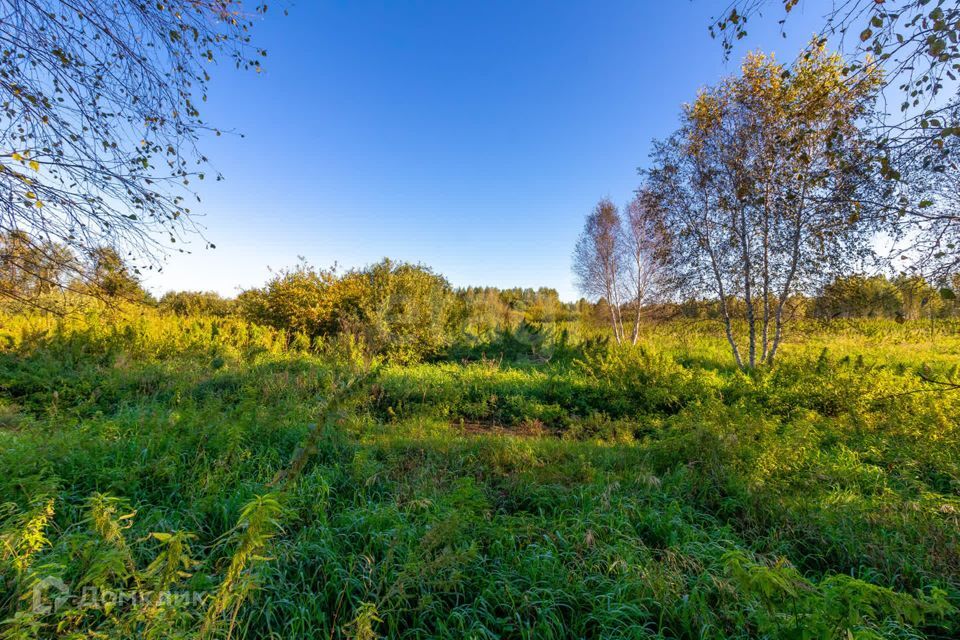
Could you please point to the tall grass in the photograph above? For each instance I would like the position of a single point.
(527, 487)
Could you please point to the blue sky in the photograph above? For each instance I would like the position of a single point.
(472, 137)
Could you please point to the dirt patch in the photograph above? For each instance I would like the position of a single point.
(532, 429)
(10, 417)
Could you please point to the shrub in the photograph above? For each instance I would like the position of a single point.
(396, 310)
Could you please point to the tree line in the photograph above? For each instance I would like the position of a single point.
(406, 312)
(39, 274)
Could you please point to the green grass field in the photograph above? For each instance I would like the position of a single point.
(564, 490)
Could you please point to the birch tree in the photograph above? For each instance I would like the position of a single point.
(763, 188)
(917, 45)
(101, 110)
(599, 260)
(646, 248)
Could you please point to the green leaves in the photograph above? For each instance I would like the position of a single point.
(936, 45)
(645, 517)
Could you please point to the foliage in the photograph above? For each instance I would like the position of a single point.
(194, 303)
(916, 40)
(30, 269)
(857, 296)
(765, 189)
(620, 259)
(482, 310)
(101, 106)
(598, 260)
(917, 45)
(400, 311)
(615, 492)
(110, 276)
(46, 274)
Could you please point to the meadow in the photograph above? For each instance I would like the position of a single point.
(537, 483)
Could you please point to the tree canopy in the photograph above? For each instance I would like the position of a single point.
(916, 43)
(766, 188)
(101, 106)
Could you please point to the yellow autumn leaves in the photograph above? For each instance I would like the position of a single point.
(23, 158)
(30, 198)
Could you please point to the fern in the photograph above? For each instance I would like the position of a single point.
(840, 606)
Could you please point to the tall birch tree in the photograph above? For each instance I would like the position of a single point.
(599, 260)
(764, 188)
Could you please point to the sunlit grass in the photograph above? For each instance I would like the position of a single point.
(585, 492)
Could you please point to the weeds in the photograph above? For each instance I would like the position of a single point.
(549, 486)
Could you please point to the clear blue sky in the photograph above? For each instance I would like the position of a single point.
(470, 136)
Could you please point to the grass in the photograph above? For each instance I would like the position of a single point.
(575, 490)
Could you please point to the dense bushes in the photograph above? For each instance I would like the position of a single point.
(397, 310)
(193, 303)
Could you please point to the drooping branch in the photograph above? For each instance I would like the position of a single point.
(99, 117)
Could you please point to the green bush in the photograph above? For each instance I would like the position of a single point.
(399, 311)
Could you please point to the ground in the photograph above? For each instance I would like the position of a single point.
(582, 491)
